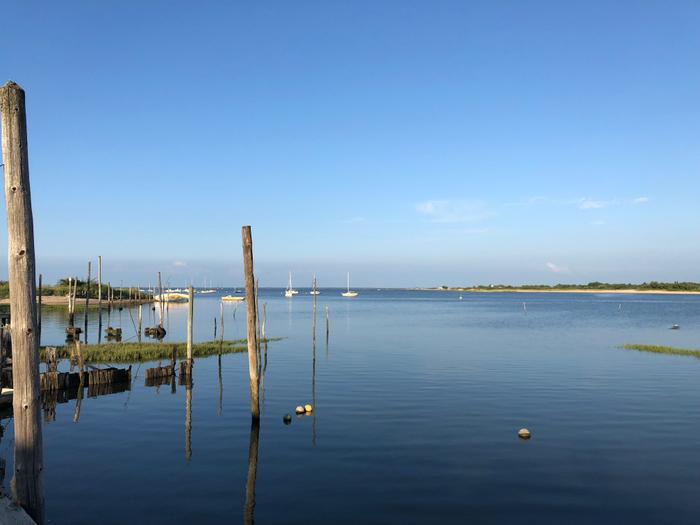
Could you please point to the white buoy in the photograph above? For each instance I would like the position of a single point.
(524, 433)
(299, 409)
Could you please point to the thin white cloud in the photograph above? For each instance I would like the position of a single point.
(590, 204)
(557, 268)
(599, 222)
(179, 264)
(641, 200)
(454, 211)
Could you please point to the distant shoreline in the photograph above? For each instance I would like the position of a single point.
(62, 300)
(561, 290)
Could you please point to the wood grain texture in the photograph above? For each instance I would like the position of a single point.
(28, 461)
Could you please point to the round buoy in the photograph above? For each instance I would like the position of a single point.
(524, 433)
(308, 408)
(299, 410)
(287, 419)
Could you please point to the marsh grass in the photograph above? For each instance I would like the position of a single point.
(663, 350)
(142, 352)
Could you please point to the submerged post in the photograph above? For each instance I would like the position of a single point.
(28, 462)
(252, 320)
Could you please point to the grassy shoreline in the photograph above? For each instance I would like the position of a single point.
(144, 352)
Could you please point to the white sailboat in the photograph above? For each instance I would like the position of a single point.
(349, 293)
(290, 292)
(314, 290)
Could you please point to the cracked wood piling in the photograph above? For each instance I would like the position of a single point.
(27, 484)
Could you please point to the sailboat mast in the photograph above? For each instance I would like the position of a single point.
(348, 281)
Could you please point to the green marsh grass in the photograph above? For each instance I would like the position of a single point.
(142, 352)
(669, 350)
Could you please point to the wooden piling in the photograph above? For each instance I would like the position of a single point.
(87, 299)
(138, 329)
(160, 300)
(38, 316)
(27, 484)
(190, 319)
(252, 320)
(71, 316)
(99, 299)
(264, 321)
(221, 307)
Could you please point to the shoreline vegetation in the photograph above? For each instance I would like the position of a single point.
(144, 352)
(57, 294)
(669, 350)
(653, 287)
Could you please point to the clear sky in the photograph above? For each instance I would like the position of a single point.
(411, 143)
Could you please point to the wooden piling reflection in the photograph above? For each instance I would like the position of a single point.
(188, 420)
(249, 509)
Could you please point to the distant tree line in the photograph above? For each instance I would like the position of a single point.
(676, 286)
(61, 288)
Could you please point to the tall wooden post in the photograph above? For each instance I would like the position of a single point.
(87, 299)
(160, 300)
(38, 316)
(99, 282)
(252, 320)
(190, 319)
(221, 307)
(99, 299)
(138, 331)
(27, 484)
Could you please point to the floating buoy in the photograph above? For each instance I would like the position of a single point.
(299, 410)
(524, 433)
(308, 408)
(675, 327)
(287, 419)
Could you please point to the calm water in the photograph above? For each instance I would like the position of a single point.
(418, 400)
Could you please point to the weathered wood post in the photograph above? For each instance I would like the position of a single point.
(138, 330)
(252, 320)
(71, 314)
(221, 305)
(38, 317)
(190, 319)
(99, 298)
(27, 483)
(87, 299)
(160, 300)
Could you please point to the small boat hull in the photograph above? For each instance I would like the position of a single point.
(233, 298)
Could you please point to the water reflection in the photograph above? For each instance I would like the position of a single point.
(249, 508)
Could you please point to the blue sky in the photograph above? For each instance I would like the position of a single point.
(411, 143)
